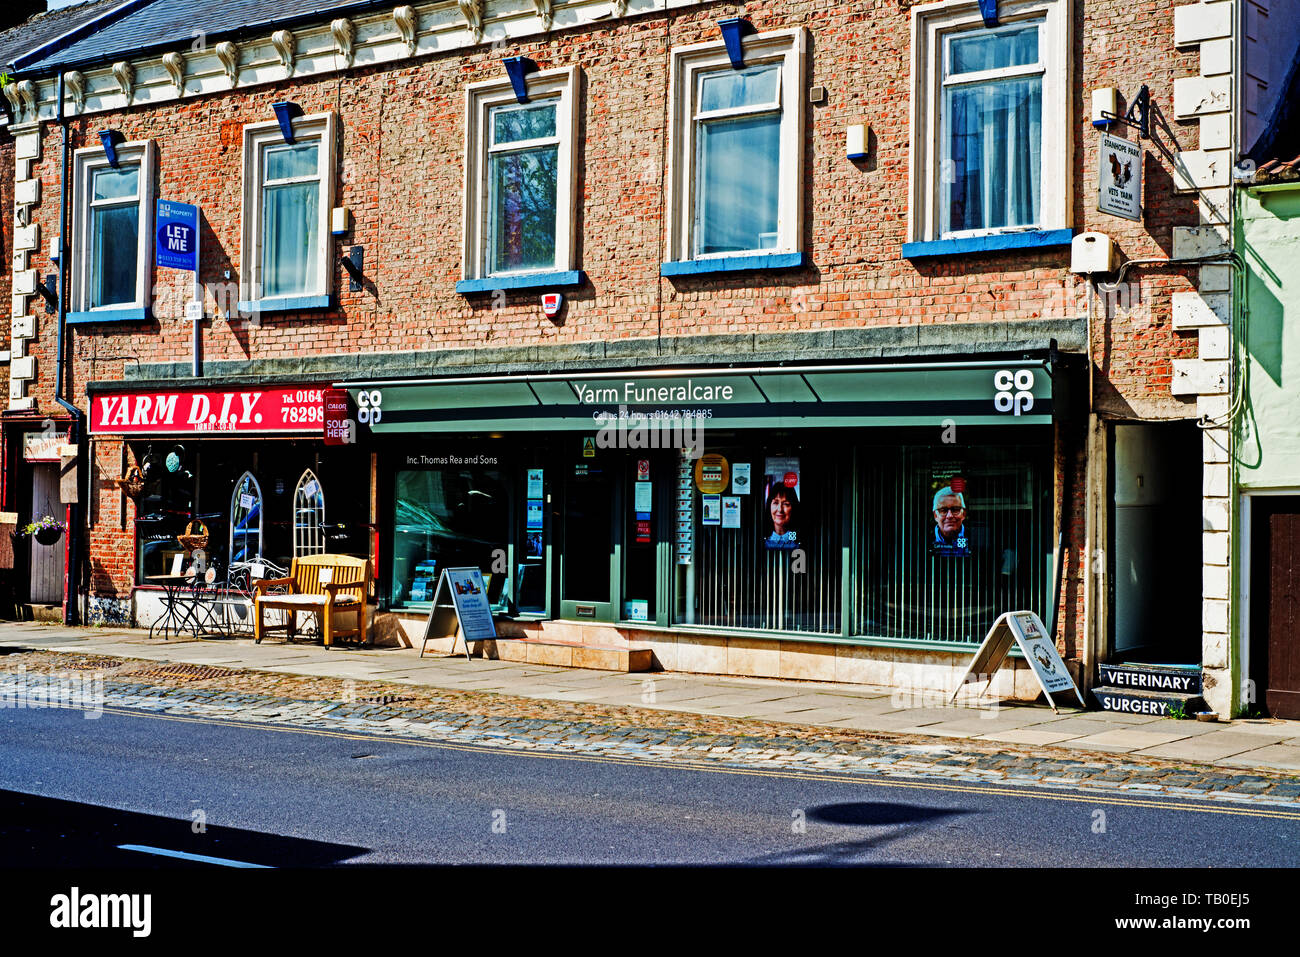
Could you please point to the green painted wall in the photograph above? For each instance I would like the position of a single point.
(1268, 237)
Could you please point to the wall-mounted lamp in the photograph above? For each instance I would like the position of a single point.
(353, 263)
(518, 68)
(734, 29)
(49, 291)
(110, 139)
(284, 114)
(989, 11)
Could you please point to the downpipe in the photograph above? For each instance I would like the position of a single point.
(76, 537)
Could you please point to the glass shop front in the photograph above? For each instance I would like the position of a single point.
(887, 502)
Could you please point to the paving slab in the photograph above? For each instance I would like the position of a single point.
(1124, 739)
(1273, 756)
(1031, 736)
(1208, 747)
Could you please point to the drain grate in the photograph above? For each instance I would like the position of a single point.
(383, 699)
(92, 664)
(183, 672)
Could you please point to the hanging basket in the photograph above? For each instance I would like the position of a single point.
(48, 536)
(195, 536)
(133, 483)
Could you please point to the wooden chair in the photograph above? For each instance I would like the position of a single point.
(327, 585)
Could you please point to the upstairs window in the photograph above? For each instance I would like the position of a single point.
(736, 157)
(520, 177)
(288, 195)
(112, 230)
(991, 114)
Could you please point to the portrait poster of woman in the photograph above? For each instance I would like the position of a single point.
(781, 507)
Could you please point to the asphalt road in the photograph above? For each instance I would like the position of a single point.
(74, 792)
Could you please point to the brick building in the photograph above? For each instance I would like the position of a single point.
(825, 245)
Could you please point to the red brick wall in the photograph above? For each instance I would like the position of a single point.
(402, 167)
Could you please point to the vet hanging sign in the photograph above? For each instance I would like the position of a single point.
(178, 235)
(1119, 177)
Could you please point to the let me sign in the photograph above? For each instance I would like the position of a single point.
(1119, 178)
(178, 235)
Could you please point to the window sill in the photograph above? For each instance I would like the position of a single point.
(286, 304)
(1029, 239)
(534, 280)
(125, 314)
(704, 267)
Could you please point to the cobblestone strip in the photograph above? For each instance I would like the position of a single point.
(610, 739)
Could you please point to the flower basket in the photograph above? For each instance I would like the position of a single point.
(195, 536)
(48, 535)
(46, 530)
(133, 483)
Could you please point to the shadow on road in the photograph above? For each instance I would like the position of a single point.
(905, 819)
(38, 831)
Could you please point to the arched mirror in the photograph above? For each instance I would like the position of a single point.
(308, 516)
(246, 520)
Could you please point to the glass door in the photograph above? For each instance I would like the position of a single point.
(588, 580)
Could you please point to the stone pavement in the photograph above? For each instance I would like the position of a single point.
(1074, 736)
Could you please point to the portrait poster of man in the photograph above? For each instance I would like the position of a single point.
(781, 508)
(948, 511)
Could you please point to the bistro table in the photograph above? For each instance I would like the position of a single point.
(188, 606)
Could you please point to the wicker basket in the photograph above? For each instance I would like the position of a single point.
(133, 483)
(195, 536)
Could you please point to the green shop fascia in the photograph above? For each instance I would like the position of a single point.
(871, 503)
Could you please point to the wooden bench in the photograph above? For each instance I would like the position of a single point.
(327, 585)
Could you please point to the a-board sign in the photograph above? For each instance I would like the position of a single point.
(463, 593)
(1025, 629)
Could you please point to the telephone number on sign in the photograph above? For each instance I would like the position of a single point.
(304, 415)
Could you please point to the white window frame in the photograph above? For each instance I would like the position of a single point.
(560, 85)
(86, 162)
(932, 24)
(320, 127)
(786, 47)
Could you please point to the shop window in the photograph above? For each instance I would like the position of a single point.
(737, 153)
(521, 178)
(447, 518)
(288, 195)
(112, 226)
(308, 516)
(162, 512)
(947, 540)
(246, 507)
(992, 112)
(765, 540)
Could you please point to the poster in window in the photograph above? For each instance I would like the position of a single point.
(948, 504)
(535, 514)
(731, 511)
(710, 509)
(781, 509)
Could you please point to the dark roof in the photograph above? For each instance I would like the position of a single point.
(44, 27)
(171, 24)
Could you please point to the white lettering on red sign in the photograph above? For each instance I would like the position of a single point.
(297, 410)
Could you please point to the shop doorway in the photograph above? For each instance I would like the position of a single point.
(1275, 603)
(590, 551)
(46, 586)
(1155, 519)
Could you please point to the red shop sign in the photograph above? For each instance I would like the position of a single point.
(287, 409)
(336, 416)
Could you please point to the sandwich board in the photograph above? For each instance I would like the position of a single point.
(1025, 629)
(461, 593)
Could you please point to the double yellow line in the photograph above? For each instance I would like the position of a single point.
(875, 780)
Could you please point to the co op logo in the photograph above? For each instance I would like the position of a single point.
(369, 407)
(1015, 391)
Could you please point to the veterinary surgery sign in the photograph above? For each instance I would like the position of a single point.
(1119, 178)
(297, 410)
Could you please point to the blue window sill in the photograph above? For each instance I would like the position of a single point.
(534, 280)
(97, 316)
(286, 304)
(1029, 239)
(703, 267)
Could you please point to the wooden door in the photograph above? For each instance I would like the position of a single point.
(47, 560)
(1282, 681)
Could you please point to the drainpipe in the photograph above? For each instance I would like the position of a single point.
(60, 359)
